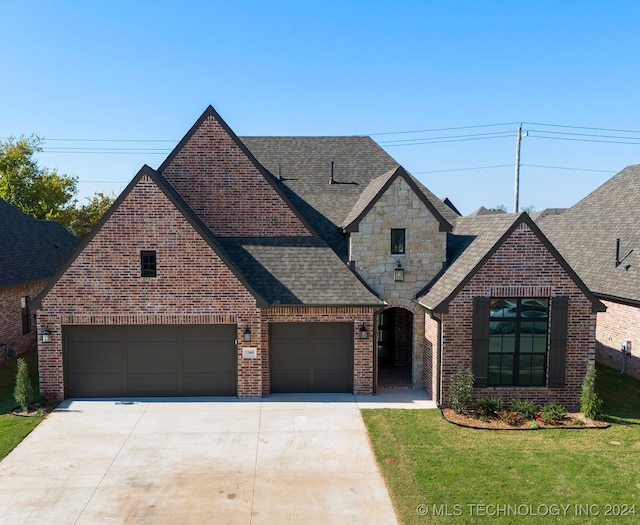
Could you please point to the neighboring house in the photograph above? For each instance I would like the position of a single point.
(31, 251)
(600, 237)
(245, 266)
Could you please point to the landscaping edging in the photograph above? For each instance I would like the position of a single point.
(468, 421)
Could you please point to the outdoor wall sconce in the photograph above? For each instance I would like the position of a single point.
(246, 336)
(46, 335)
(398, 273)
(363, 332)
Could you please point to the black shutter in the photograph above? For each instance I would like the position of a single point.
(480, 340)
(558, 341)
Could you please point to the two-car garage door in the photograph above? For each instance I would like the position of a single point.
(150, 360)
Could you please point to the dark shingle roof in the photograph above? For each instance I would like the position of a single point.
(30, 249)
(303, 166)
(294, 271)
(586, 236)
(472, 242)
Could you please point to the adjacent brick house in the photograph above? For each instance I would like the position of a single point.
(245, 266)
(31, 251)
(600, 238)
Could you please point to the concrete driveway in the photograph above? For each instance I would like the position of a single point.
(285, 459)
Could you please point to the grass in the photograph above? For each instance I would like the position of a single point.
(452, 471)
(14, 429)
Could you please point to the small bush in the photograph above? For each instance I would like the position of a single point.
(590, 402)
(534, 425)
(461, 390)
(525, 408)
(23, 392)
(509, 417)
(489, 407)
(552, 413)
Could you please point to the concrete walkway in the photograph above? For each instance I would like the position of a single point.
(284, 459)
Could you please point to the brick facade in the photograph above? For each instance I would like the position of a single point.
(521, 267)
(619, 323)
(103, 285)
(425, 244)
(11, 315)
(221, 184)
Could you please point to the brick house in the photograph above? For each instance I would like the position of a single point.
(31, 251)
(600, 238)
(245, 266)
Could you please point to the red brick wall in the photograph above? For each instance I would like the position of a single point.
(363, 348)
(227, 191)
(430, 357)
(620, 322)
(11, 315)
(103, 285)
(521, 267)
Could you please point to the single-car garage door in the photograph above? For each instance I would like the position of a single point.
(150, 360)
(311, 357)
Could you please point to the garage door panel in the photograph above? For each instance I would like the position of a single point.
(156, 360)
(200, 356)
(311, 357)
(152, 357)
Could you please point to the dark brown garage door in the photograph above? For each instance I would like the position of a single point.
(150, 360)
(311, 357)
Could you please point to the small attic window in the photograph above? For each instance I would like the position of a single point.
(397, 241)
(148, 263)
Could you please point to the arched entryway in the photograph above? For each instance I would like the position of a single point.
(394, 346)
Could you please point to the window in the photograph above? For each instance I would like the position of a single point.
(397, 241)
(518, 341)
(26, 320)
(148, 263)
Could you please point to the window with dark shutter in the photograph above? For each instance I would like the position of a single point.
(148, 263)
(558, 341)
(26, 318)
(480, 340)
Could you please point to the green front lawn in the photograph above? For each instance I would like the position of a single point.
(13, 429)
(440, 473)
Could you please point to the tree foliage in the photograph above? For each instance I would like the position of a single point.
(39, 192)
(44, 193)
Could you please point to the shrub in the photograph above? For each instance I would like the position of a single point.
(525, 408)
(23, 393)
(489, 407)
(552, 413)
(510, 417)
(461, 390)
(590, 402)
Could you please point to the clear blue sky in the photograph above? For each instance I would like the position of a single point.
(146, 70)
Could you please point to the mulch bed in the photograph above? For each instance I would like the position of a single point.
(36, 410)
(469, 419)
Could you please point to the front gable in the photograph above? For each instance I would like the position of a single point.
(226, 186)
(105, 277)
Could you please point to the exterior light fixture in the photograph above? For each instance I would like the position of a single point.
(363, 332)
(398, 273)
(46, 335)
(246, 336)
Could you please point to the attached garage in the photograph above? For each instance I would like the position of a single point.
(311, 357)
(150, 360)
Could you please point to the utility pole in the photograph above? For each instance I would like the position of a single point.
(516, 188)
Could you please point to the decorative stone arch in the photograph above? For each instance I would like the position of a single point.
(415, 353)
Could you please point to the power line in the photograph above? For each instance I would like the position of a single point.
(566, 168)
(462, 169)
(581, 127)
(441, 129)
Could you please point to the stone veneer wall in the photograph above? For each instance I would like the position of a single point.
(425, 245)
(620, 322)
(11, 315)
(521, 267)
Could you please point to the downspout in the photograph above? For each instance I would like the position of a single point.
(438, 367)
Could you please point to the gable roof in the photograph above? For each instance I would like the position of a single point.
(181, 206)
(303, 167)
(376, 188)
(586, 235)
(474, 240)
(214, 153)
(30, 249)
